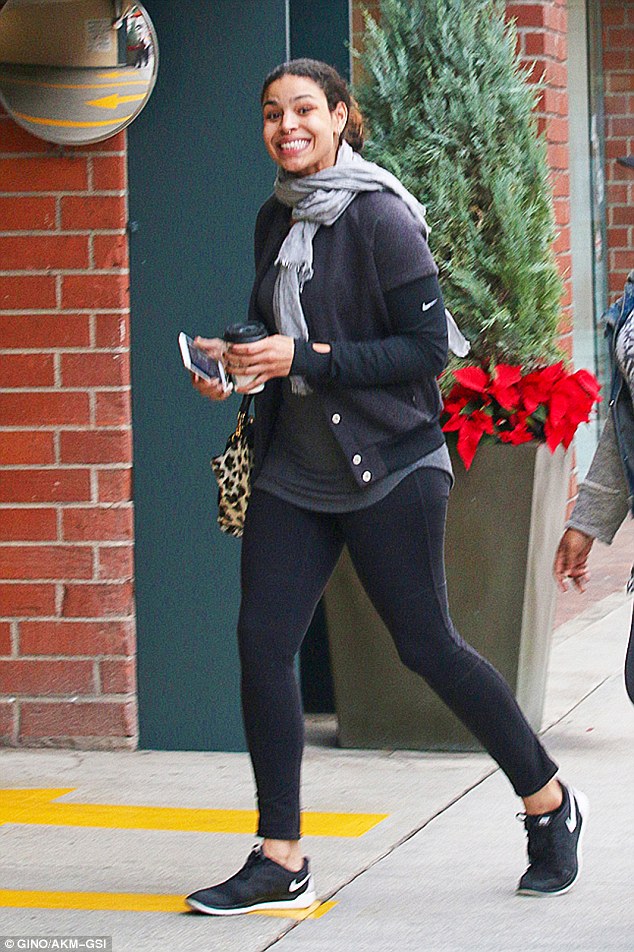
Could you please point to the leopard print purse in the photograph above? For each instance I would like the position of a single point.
(232, 470)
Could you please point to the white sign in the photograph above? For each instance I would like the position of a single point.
(98, 36)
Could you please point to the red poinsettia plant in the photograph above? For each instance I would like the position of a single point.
(510, 406)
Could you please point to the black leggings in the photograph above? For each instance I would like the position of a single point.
(396, 545)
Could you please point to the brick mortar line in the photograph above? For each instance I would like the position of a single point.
(39, 391)
(68, 581)
(94, 545)
(7, 351)
(70, 698)
(65, 232)
(105, 388)
(59, 507)
(62, 619)
(549, 59)
(122, 504)
(55, 193)
(64, 273)
(63, 312)
(74, 657)
(15, 638)
(55, 155)
(97, 619)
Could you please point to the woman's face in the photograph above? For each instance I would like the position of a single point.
(301, 134)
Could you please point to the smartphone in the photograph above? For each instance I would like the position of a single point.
(201, 363)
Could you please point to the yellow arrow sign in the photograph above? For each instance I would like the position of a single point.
(70, 123)
(35, 807)
(114, 73)
(113, 102)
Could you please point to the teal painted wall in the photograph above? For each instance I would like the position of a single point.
(321, 30)
(197, 174)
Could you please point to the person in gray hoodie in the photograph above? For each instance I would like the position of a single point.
(607, 494)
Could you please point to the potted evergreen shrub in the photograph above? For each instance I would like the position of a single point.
(450, 111)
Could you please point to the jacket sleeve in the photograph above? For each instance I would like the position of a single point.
(602, 504)
(417, 349)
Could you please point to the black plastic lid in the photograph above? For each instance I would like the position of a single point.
(245, 333)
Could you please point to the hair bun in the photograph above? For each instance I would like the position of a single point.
(353, 133)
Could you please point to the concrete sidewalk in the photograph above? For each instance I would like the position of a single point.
(437, 873)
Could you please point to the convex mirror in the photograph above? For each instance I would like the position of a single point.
(75, 71)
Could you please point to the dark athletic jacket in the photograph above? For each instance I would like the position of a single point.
(378, 384)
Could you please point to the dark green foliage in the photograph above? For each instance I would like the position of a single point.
(449, 110)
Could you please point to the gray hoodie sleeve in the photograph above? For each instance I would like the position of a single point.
(602, 503)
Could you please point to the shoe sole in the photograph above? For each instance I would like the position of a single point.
(302, 902)
(583, 805)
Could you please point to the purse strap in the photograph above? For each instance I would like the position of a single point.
(243, 415)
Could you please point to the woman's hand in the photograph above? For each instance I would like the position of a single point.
(212, 389)
(571, 560)
(263, 359)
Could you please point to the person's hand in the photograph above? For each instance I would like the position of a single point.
(263, 359)
(571, 560)
(212, 389)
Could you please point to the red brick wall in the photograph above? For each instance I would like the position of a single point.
(542, 35)
(66, 603)
(618, 66)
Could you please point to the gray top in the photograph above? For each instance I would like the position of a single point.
(305, 465)
(603, 501)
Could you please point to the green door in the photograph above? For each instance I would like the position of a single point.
(197, 175)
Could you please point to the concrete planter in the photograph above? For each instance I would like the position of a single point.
(505, 519)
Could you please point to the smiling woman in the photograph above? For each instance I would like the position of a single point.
(349, 451)
(301, 134)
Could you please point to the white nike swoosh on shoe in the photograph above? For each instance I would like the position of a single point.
(294, 886)
(571, 821)
(425, 307)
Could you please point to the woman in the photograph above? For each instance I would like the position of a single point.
(607, 495)
(349, 451)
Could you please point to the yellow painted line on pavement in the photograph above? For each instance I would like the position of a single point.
(132, 902)
(121, 72)
(114, 101)
(16, 81)
(35, 807)
(70, 124)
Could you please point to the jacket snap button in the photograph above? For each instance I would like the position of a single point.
(356, 459)
(335, 418)
(367, 476)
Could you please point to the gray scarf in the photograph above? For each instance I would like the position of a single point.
(320, 199)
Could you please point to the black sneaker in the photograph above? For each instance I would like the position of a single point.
(554, 847)
(260, 884)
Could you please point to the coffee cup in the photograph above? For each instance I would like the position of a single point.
(245, 333)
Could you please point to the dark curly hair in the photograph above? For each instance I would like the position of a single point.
(334, 87)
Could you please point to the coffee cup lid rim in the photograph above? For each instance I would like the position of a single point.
(248, 329)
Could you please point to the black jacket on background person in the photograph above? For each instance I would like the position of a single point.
(378, 384)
